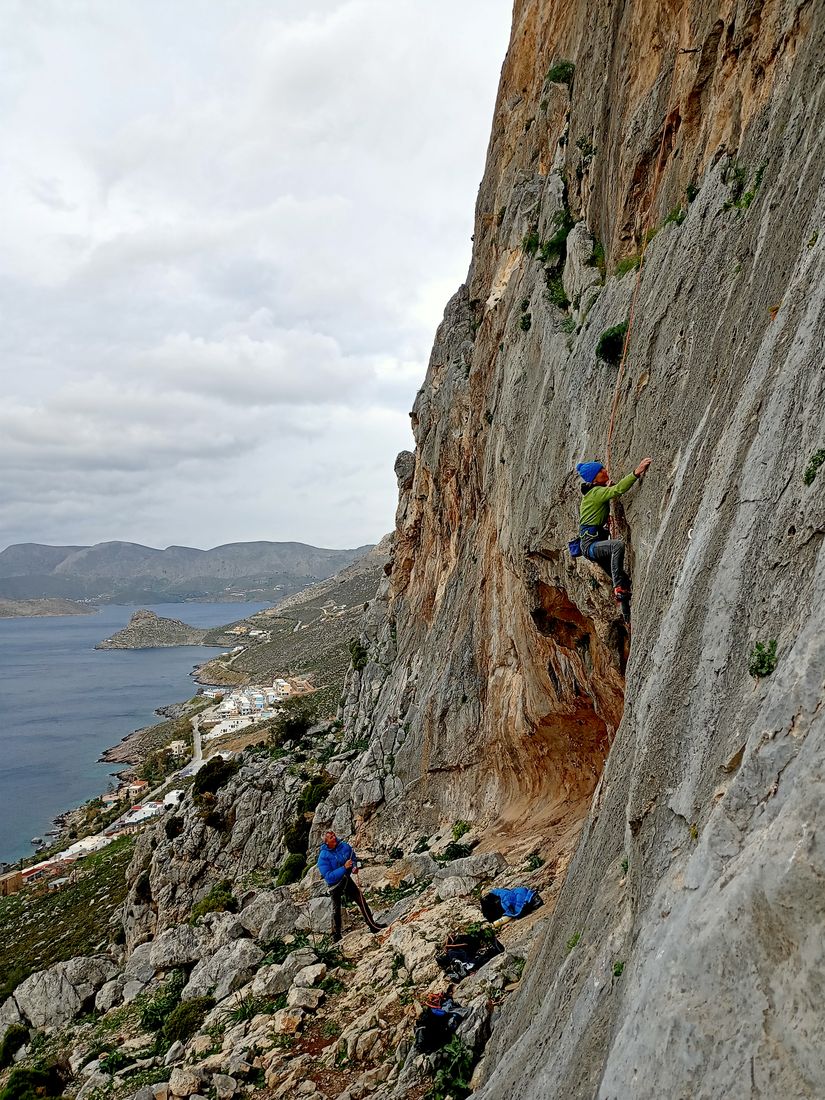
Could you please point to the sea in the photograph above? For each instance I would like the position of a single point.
(62, 703)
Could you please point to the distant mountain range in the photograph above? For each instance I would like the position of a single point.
(126, 572)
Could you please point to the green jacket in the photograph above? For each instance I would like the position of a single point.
(595, 505)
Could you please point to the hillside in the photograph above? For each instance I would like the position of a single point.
(23, 609)
(131, 573)
(308, 633)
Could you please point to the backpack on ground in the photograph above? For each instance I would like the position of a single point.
(437, 1022)
(466, 952)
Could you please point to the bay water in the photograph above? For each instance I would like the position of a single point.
(62, 703)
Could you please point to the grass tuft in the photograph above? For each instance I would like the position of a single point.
(762, 659)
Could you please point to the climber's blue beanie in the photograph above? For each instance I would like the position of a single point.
(588, 471)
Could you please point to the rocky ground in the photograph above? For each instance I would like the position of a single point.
(218, 982)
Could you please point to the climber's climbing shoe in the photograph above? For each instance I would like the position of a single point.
(623, 600)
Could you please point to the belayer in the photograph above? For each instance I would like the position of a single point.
(594, 510)
(337, 862)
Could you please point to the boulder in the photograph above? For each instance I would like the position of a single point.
(109, 996)
(311, 975)
(225, 1086)
(456, 886)
(484, 865)
(174, 1053)
(287, 1021)
(224, 972)
(270, 914)
(9, 1014)
(278, 977)
(184, 1081)
(219, 929)
(158, 1091)
(95, 1083)
(176, 946)
(367, 1044)
(139, 967)
(131, 990)
(308, 999)
(316, 916)
(53, 997)
(420, 865)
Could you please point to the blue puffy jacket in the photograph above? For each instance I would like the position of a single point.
(513, 901)
(331, 862)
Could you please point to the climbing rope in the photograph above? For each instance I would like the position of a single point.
(632, 313)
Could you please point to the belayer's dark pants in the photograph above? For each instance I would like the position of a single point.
(609, 554)
(346, 890)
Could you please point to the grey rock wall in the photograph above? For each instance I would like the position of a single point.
(513, 698)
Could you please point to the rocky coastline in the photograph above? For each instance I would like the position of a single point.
(148, 630)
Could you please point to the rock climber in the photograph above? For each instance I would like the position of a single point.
(594, 510)
(337, 862)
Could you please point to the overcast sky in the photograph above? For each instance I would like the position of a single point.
(230, 228)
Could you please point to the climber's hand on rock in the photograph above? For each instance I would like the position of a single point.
(348, 865)
(642, 467)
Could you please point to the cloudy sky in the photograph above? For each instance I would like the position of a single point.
(229, 230)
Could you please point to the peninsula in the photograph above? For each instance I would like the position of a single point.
(146, 630)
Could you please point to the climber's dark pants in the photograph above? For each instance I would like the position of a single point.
(346, 890)
(609, 554)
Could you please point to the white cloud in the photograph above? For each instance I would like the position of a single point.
(229, 233)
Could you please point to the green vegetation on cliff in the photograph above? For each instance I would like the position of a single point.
(38, 930)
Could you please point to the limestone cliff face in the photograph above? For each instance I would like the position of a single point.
(500, 686)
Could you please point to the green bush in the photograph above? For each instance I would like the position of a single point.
(762, 659)
(452, 1077)
(555, 293)
(185, 1019)
(460, 829)
(453, 851)
(814, 462)
(530, 242)
(525, 321)
(16, 1037)
(173, 827)
(618, 969)
(220, 899)
(153, 1012)
(561, 73)
(585, 147)
(248, 1007)
(611, 344)
(314, 793)
(359, 654)
(214, 774)
(734, 177)
(114, 1060)
(296, 716)
(573, 941)
(296, 836)
(292, 869)
(629, 263)
(677, 215)
(26, 1083)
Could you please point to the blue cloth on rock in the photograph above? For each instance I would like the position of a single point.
(513, 901)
